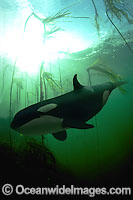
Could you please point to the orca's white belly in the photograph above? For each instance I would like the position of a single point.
(44, 125)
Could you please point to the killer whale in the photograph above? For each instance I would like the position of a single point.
(70, 110)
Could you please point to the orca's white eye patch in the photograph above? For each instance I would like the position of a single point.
(47, 107)
(105, 96)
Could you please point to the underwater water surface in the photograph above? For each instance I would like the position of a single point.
(43, 44)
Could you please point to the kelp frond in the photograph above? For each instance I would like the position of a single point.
(108, 72)
(56, 16)
(115, 9)
(54, 84)
(119, 32)
(53, 30)
(63, 13)
(52, 19)
(19, 82)
(47, 20)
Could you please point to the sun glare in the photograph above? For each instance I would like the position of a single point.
(34, 47)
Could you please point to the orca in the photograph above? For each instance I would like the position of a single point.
(71, 110)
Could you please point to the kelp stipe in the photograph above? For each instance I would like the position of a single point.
(107, 72)
(96, 19)
(119, 32)
(114, 7)
(97, 132)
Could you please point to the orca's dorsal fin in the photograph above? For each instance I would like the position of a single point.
(76, 83)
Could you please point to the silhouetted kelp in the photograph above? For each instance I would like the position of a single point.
(116, 9)
(96, 19)
(56, 86)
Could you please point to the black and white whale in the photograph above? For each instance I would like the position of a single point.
(70, 110)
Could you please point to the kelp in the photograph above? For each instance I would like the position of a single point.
(54, 84)
(106, 70)
(109, 73)
(10, 99)
(29, 158)
(120, 33)
(11, 88)
(19, 84)
(63, 13)
(116, 9)
(96, 19)
(41, 82)
(3, 78)
(49, 20)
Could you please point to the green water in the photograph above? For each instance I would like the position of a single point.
(86, 154)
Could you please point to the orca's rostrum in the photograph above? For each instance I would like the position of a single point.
(71, 110)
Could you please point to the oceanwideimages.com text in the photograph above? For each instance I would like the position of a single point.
(8, 189)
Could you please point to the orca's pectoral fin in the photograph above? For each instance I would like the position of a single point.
(62, 135)
(76, 124)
